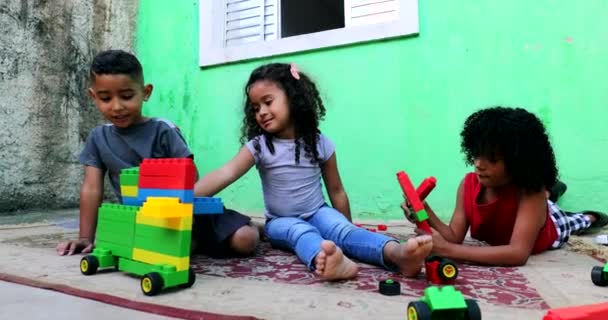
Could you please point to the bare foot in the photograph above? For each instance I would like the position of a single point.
(409, 256)
(331, 264)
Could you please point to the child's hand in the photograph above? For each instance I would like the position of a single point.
(407, 212)
(74, 246)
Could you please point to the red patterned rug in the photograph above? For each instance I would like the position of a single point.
(495, 285)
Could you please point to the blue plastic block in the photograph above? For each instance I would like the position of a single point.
(185, 196)
(131, 201)
(207, 205)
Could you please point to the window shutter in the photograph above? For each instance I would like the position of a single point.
(365, 12)
(250, 21)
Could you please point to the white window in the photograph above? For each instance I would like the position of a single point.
(233, 30)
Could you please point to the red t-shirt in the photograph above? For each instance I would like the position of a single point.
(493, 222)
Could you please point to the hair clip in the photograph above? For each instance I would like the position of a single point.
(294, 71)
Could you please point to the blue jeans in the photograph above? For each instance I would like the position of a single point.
(304, 236)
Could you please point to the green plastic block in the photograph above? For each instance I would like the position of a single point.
(443, 298)
(170, 277)
(421, 215)
(606, 268)
(129, 176)
(115, 232)
(116, 249)
(171, 242)
(118, 212)
(105, 258)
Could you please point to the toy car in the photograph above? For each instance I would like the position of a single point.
(440, 270)
(443, 303)
(599, 275)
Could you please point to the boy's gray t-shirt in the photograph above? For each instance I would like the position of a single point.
(290, 189)
(112, 149)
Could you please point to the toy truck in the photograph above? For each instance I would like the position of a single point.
(587, 312)
(149, 234)
(443, 303)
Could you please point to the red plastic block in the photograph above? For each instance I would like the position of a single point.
(157, 182)
(587, 312)
(408, 190)
(426, 187)
(179, 170)
(382, 227)
(358, 225)
(371, 229)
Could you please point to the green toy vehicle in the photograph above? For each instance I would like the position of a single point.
(443, 303)
(599, 275)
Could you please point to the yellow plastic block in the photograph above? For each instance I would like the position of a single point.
(150, 257)
(165, 213)
(128, 191)
(169, 223)
(165, 208)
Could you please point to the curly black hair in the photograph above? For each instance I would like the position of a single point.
(306, 109)
(116, 62)
(517, 136)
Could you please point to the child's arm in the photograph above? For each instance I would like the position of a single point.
(219, 179)
(335, 190)
(91, 194)
(531, 215)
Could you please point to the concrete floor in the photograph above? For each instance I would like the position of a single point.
(25, 302)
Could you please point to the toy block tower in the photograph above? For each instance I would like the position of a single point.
(128, 186)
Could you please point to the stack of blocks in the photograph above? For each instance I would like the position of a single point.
(150, 233)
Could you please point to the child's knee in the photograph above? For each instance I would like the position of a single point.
(245, 240)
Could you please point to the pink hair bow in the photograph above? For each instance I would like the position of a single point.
(294, 71)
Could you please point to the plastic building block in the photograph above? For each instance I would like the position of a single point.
(131, 201)
(128, 191)
(154, 182)
(181, 170)
(358, 225)
(382, 227)
(185, 196)
(415, 200)
(208, 205)
(129, 176)
(587, 312)
(599, 275)
(443, 303)
(371, 229)
(426, 187)
(439, 270)
(389, 287)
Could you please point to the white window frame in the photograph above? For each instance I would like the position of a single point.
(211, 35)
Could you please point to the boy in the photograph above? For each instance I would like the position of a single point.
(117, 87)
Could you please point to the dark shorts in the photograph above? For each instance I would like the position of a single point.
(212, 232)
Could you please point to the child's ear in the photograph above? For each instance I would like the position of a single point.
(148, 91)
(91, 93)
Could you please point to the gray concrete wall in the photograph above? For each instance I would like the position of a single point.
(45, 113)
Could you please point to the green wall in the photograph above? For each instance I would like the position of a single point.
(400, 104)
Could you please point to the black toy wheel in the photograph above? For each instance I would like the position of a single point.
(151, 284)
(597, 276)
(89, 265)
(389, 287)
(447, 270)
(191, 279)
(473, 311)
(418, 310)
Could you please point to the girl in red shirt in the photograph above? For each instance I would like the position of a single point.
(505, 202)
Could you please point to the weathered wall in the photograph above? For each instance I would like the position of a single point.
(45, 113)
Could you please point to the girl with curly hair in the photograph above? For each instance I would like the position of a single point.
(282, 139)
(505, 202)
